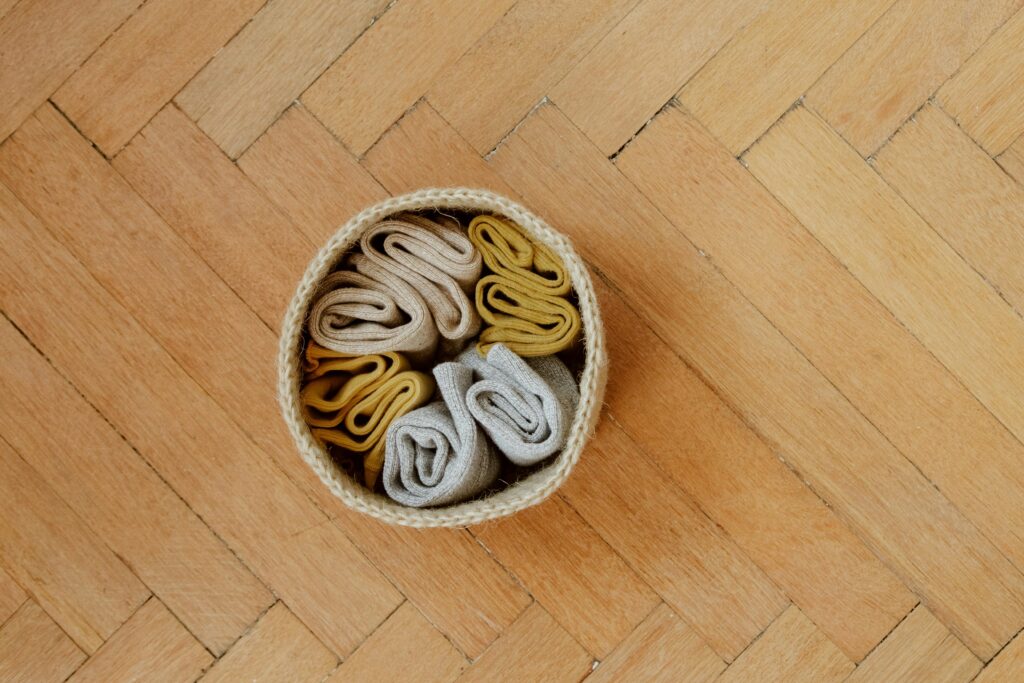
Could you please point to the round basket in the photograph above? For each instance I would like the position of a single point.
(526, 492)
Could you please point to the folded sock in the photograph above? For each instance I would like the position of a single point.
(438, 454)
(366, 309)
(438, 261)
(525, 405)
(350, 402)
(523, 301)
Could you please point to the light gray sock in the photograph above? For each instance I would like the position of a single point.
(437, 454)
(526, 405)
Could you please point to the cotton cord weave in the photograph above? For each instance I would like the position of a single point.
(529, 491)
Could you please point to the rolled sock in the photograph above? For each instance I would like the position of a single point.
(350, 402)
(525, 405)
(523, 301)
(438, 454)
(528, 324)
(371, 310)
(438, 261)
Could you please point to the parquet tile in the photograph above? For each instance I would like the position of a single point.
(810, 464)
(115, 491)
(254, 78)
(705, 319)
(33, 648)
(899, 62)
(151, 646)
(985, 95)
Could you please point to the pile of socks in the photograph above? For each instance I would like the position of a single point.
(435, 359)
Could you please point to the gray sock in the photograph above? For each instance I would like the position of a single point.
(437, 454)
(526, 405)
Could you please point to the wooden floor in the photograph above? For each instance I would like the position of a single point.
(806, 223)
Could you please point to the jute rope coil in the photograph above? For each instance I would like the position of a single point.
(524, 493)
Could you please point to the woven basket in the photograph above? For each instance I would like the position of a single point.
(524, 493)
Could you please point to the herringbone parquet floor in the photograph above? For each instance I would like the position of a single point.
(806, 218)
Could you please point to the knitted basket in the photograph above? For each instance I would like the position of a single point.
(524, 493)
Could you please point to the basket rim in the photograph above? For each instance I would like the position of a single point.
(525, 493)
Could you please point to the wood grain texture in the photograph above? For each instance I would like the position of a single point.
(772, 61)
(406, 647)
(792, 649)
(59, 560)
(278, 648)
(232, 484)
(393, 63)
(531, 46)
(574, 574)
(674, 547)
(963, 195)
(1012, 160)
(661, 649)
(1008, 665)
(33, 648)
(898, 256)
(985, 97)
(651, 53)
(268, 64)
(11, 596)
(920, 649)
(44, 41)
(114, 491)
(705, 319)
(300, 167)
(244, 238)
(533, 648)
(125, 82)
(899, 62)
(707, 449)
(834, 321)
(152, 645)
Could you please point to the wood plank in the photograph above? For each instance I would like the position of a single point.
(702, 317)
(152, 646)
(707, 449)
(532, 649)
(132, 380)
(920, 649)
(773, 61)
(11, 596)
(126, 81)
(305, 171)
(1008, 665)
(985, 95)
(244, 238)
(59, 560)
(963, 195)
(572, 573)
(512, 66)
(1012, 160)
(394, 63)
(268, 64)
(663, 649)
(116, 493)
(676, 549)
(471, 612)
(44, 42)
(791, 650)
(405, 648)
(33, 648)
(650, 54)
(279, 648)
(898, 256)
(883, 79)
(835, 322)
